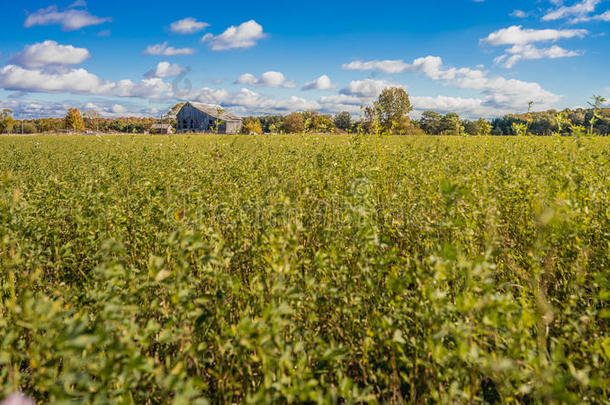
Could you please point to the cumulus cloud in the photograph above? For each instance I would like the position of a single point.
(50, 53)
(78, 81)
(356, 94)
(520, 52)
(34, 108)
(522, 39)
(118, 109)
(498, 92)
(246, 101)
(166, 69)
(321, 83)
(267, 79)
(70, 20)
(108, 108)
(164, 50)
(188, 26)
(516, 35)
(245, 35)
(254, 102)
(367, 88)
(209, 96)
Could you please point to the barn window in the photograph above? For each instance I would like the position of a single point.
(192, 124)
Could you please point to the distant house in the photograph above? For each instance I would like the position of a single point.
(198, 117)
(164, 129)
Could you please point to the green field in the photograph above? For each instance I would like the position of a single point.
(292, 269)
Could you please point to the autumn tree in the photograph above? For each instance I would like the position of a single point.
(93, 118)
(252, 126)
(294, 123)
(318, 123)
(74, 121)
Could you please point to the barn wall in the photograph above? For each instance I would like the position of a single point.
(191, 119)
(233, 127)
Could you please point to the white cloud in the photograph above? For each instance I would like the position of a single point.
(520, 52)
(367, 88)
(343, 102)
(164, 50)
(209, 96)
(249, 102)
(78, 3)
(256, 103)
(245, 35)
(321, 83)
(118, 109)
(50, 53)
(166, 69)
(34, 108)
(70, 19)
(600, 17)
(516, 35)
(522, 40)
(111, 109)
(267, 79)
(188, 26)
(78, 81)
(580, 11)
(498, 92)
(384, 66)
(467, 108)
(519, 14)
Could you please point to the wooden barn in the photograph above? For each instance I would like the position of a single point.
(198, 117)
(164, 129)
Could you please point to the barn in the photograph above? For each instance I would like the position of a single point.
(198, 117)
(165, 129)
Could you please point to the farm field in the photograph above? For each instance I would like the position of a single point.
(305, 269)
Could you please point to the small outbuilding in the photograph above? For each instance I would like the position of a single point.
(164, 129)
(198, 117)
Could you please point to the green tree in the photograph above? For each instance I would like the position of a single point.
(343, 120)
(391, 107)
(74, 121)
(478, 127)
(596, 103)
(431, 122)
(451, 124)
(7, 123)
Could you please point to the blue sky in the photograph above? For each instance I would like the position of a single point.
(477, 58)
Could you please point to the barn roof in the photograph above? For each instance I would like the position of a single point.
(212, 111)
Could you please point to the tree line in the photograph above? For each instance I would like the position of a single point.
(389, 114)
(74, 121)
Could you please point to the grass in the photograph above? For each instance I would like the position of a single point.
(309, 269)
